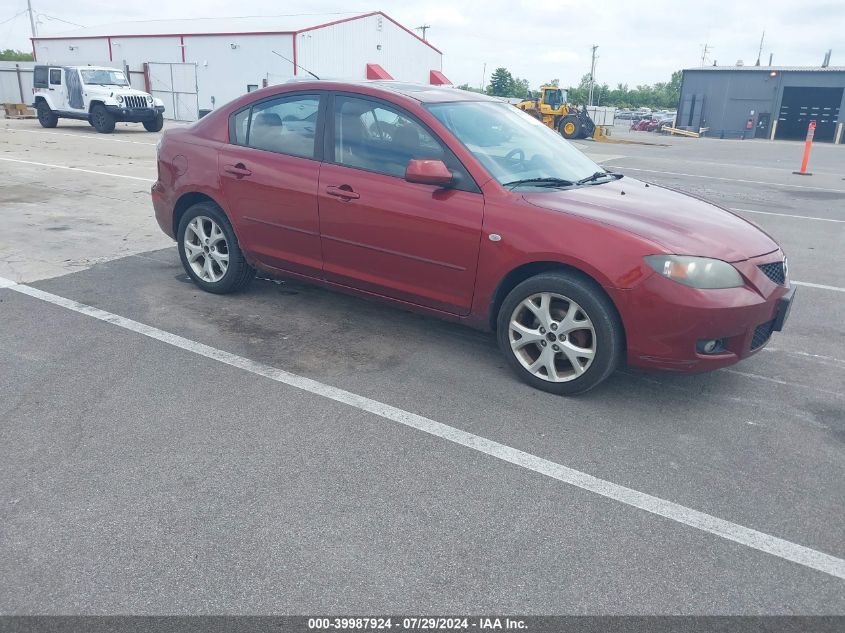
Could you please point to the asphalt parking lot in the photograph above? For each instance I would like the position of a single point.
(292, 450)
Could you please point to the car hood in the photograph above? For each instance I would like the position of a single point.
(115, 90)
(680, 223)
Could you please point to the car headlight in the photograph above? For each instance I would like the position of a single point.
(697, 272)
(119, 98)
(150, 99)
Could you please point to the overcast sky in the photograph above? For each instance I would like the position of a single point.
(639, 42)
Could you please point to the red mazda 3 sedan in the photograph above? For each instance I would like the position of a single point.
(464, 207)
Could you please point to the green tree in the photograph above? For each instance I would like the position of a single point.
(501, 83)
(519, 88)
(468, 87)
(10, 55)
(659, 95)
(580, 93)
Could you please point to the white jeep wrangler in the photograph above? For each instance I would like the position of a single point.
(101, 96)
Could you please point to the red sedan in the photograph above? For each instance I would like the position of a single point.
(464, 207)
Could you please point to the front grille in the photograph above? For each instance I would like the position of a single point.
(134, 101)
(776, 271)
(762, 333)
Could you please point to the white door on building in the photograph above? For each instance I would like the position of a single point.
(176, 85)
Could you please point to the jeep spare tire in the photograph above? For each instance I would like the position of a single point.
(46, 117)
(102, 120)
(155, 124)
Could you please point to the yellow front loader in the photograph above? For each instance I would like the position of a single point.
(550, 107)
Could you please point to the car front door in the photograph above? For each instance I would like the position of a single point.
(57, 90)
(413, 242)
(269, 173)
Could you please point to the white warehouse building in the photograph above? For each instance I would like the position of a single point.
(196, 64)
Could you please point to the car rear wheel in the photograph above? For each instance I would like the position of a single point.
(102, 121)
(560, 333)
(46, 117)
(156, 124)
(210, 252)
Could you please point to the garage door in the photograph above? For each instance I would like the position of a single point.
(176, 86)
(802, 105)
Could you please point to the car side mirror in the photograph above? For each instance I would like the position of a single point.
(428, 172)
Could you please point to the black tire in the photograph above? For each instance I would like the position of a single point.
(156, 124)
(609, 340)
(570, 126)
(101, 119)
(46, 117)
(239, 273)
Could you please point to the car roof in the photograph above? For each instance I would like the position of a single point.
(423, 93)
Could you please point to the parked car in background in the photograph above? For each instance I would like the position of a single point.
(101, 96)
(461, 206)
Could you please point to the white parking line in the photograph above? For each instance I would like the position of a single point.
(84, 134)
(753, 182)
(754, 539)
(820, 286)
(87, 171)
(788, 215)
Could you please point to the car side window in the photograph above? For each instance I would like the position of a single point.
(376, 137)
(55, 76)
(39, 78)
(238, 127)
(287, 125)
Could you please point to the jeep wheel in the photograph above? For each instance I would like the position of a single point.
(46, 117)
(102, 121)
(156, 124)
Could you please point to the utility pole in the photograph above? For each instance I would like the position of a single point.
(423, 28)
(31, 18)
(483, 76)
(760, 50)
(592, 75)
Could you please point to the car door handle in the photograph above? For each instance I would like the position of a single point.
(237, 170)
(343, 191)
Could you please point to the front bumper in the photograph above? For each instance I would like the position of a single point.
(664, 320)
(134, 115)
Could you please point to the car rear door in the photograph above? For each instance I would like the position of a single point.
(414, 242)
(269, 172)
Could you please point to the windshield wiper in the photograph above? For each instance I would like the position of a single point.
(540, 182)
(600, 174)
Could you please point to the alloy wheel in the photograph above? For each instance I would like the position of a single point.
(552, 337)
(206, 249)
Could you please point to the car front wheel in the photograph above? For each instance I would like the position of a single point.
(101, 119)
(560, 333)
(210, 252)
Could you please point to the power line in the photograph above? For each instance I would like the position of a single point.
(17, 15)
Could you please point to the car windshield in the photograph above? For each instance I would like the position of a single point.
(103, 77)
(513, 146)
